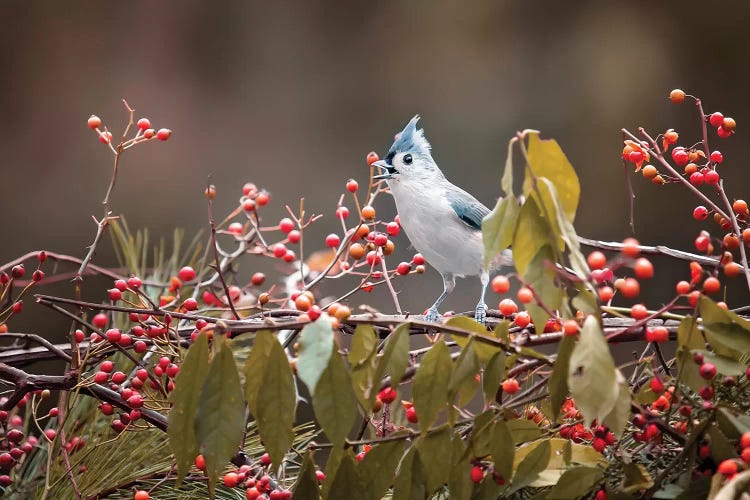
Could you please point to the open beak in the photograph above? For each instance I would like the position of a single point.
(388, 170)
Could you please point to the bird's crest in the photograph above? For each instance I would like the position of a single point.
(411, 139)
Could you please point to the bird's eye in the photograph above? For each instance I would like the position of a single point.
(407, 159)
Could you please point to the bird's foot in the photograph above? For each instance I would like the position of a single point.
(481, 313)
(431, 315)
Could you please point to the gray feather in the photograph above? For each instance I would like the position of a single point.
(470, 210)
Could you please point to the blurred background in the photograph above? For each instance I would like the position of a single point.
(292, 96)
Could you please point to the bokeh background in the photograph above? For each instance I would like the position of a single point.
(292, 96)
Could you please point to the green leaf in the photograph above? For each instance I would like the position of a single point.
(592, 376)
(433, 453)
(220, 417)
(334, 401)
(276, 404)
(636, 478)
(481, 434)
(576, 483)
(523, 430)
(721, 447)
(688, 335)
(378, 466)
(688, 371)
(306, 485)
(255, 367)
(459, 480)
(503, 449)
(362, 358)
(559, 462)
(347, 479)
(315, 348)
(493, 375)
(546, 159)
(410, 479)
(484, 350)
(532, 465)
(732, 423)
(619, 417)
(498, 227)
(558, 381)
(507, 182)
(463, 379)
(332, 466)
(724, 365)
(541, 278)
(184, 399)
(364, 343)
(396, 353)
(728, 334)
(532, 233)
(430, 388)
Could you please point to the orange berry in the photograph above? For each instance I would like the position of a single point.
(500, 284)
(746, 236)
(649, 172)
(677, 96)
(141, 495)
(303, 302)
(745, 440)
(630, 247)
(368, 213)
(525, 295)
(570, 327)
(200, 463)
(727, 468)
(729, 124)
(356, 251)
(691, 168)
(630, 288)
(711, 285)
(740, 207)
(342, 313)
(507, 307)
(731, 242)
(606, 293)
(732, 269)
(643, 268)
(522, 319)
(596, 260)
(638, 311)
(693, 297)
(362, 231)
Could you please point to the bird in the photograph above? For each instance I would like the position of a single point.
(442, 221)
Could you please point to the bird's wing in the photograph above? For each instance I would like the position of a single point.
(470, 210)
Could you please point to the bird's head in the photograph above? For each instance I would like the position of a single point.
(409, 157)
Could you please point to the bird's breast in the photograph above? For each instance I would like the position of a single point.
(435, 231)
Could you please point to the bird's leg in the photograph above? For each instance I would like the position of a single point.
(449, 283)
(481, 312)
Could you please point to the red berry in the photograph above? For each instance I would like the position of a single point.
(105, 137)
(387, 395)
(393, 228)
(119, 377)
(333, 240)
(745, 455)
(94, 122)
(342, 212)
(570, 327)
(50, 434)
(477, 474)
(107, 366)
(134, 282)
(106, 408)
(141, 495)
(101, 377)
(352, 186)
(143, 124)
(635, 156)
(403, 268)
(697, 179)
(711, 285)
(417, 260)
(231, 479)
(294, 236)
(187, 273)
(716, 119)
(717, 157)
(135, 401)
(723, 132)
(680, 156)
(18, 271)
(702, 242)
(708, 371)
(190, 304)
(599, 444)
(712, 177)
(500, 284)
(525, 295)
(700, 212)
(630, 288)
(114, 294)
(113, 335)
(727, 468)
(17, 307)
(373, 258)
(510, 385)
(411, 415)
(149, 133)
(657, 385)
(745, 440)
(163, 134)
(100, 320)
(372, 157)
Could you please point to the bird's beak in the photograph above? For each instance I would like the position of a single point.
(389, 170)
